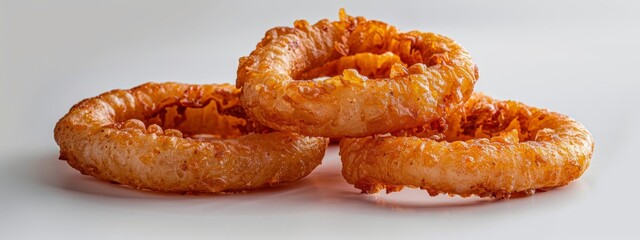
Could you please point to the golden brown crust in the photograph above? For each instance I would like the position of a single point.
(370, 89)
(491, 149)
(175, 137)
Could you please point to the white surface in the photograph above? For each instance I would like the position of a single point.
(577, 58)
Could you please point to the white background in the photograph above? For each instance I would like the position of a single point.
(578, 58)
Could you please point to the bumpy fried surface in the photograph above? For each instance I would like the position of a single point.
(181, 138)
(368, 87)
(491, 148)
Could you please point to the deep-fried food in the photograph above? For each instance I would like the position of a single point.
(491, 148)
(379, 80)
(175, 137)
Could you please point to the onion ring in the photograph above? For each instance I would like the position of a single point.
(492, 148)
(173, 137)
(370, 89)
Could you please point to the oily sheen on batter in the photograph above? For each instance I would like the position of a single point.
(174, 137)
(492, 148)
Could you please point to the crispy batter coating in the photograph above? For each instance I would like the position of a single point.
(376, 79)
(175, 137)
(491, 148)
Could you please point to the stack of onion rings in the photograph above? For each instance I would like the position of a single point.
(174, 137)
(401, 103)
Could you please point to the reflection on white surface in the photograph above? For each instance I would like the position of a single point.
(48, 193)
(324, 189)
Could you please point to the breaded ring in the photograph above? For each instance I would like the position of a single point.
(491, 148)
(173, 137)
(380, 80)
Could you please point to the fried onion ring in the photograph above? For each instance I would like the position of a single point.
(175, 137)
(370, 89)
(492, 148)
